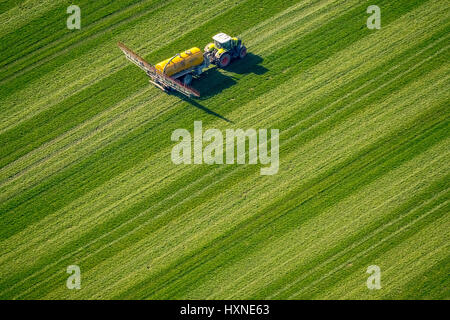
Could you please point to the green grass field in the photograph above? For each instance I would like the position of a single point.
(86, 176)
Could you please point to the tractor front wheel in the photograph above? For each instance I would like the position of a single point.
(224, 60)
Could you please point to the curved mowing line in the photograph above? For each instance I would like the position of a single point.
(212, 172)
(111, 63)
(232, 240)
(101, 32)
(394, 68)
(77, 142)
(421, 261)
(370, 248)
(50, 142)
(83, 259)
(354, 245)
(73, 132)
(16, 17)
(85, 31)
(294, 257)
(174, 249)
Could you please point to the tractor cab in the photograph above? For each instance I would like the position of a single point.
(224, 49)
(222, 41)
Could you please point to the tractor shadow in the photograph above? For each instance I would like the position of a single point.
(194, 102)
(212, 81)
(209, 84)
(197, 105)
(250, 64)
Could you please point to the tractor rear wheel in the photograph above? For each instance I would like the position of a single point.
(224, 60)
(242, 52)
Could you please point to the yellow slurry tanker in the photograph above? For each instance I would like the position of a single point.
(176, 73)
(188, 59)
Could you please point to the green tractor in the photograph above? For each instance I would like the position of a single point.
(224, 49)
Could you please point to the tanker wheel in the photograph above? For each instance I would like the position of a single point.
(224, 60)
(242, 52)
(187, 79)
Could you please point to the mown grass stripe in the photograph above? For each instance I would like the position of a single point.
(38, 130)
(397, 237)
(47, 129)
(40, 33)
(380, 196)
(100, 60)
(94, 36)
(43, 147)
(19, 15)
(69, 114)
(374, 155)
(231, 237)
(386, 232)
(432, 284)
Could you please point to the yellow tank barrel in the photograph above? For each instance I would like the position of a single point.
(185, 60)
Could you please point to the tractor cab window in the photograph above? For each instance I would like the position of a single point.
(223, 45)
(222, 41)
